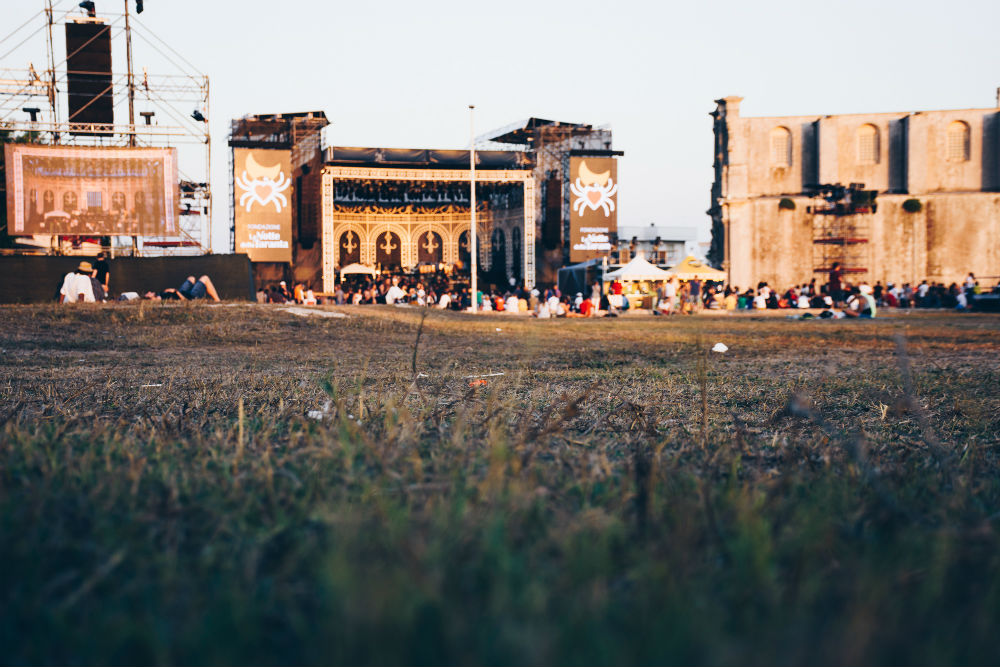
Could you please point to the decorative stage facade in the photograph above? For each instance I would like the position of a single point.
(403, 209)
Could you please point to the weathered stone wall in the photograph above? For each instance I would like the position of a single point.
(951, 235)
(956, 231)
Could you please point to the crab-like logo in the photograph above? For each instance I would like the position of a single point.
(593, 191)
(262, 185)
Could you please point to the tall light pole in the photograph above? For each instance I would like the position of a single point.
(473, 254)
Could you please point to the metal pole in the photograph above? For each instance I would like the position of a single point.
(474, 259)
(210, 205)
(52, 72)
(131, 80)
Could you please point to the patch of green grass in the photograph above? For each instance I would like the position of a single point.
(585, 507)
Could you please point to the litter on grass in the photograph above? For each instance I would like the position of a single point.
(720, 347)
(484, 375)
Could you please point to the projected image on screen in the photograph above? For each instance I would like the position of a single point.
(91, 191)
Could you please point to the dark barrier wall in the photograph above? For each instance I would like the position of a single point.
(33, 279)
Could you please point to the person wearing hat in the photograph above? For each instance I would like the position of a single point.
(77, 285)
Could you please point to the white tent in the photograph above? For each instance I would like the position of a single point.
(351, 269)
(638, 269)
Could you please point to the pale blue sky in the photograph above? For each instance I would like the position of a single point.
(403, 73)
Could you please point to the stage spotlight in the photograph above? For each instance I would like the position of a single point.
(32, 111)
(89, 6)
(138, 6)
(197, 116)
(148, 115)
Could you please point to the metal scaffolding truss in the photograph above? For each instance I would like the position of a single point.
(157, 110)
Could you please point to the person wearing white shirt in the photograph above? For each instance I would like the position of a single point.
(553, 302)
(77, 285)
(444, 301)
(803, 301)
(511, 305)
(394, 294)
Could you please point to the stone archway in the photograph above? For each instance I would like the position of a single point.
(464, 255)
(430, 248)
(349, 248)
(388, 253)
(498, 256)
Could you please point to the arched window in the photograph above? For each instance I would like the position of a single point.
(868, 147)
(781, 147)
(958, 142)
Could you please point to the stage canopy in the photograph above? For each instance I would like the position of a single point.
(421, 158)
(692, 268)
(638, 269)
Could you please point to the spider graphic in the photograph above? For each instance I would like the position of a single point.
(593, 191)
(262, 185)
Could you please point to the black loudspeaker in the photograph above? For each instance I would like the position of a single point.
(88, 73)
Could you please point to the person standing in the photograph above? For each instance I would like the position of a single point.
(835, 288)
(103, 269)
(695, 294)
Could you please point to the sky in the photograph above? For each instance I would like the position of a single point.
(402, 74)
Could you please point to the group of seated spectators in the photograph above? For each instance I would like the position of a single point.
(90, 283)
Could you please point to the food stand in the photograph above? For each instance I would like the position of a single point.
(637, 278)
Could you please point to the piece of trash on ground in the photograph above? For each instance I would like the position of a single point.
(484, 375)
(477, 383)
(720, 347)
(153, 385)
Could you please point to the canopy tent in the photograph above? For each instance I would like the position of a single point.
(638, 269)
(351, 269)
(692, 268)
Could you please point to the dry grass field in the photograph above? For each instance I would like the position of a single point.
(823, 492)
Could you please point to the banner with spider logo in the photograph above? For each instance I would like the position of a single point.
(593, 186)
(262, 190)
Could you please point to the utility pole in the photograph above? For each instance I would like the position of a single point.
(474, 259)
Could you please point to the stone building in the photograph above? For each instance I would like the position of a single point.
(936, 173)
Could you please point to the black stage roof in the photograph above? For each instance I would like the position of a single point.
(522, 131)
(422, 158)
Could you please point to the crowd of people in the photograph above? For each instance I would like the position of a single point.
(835, 298)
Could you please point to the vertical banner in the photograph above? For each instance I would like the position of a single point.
(263, 219)
(593, 206)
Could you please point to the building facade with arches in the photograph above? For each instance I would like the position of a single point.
(400, 209)
(767, 168)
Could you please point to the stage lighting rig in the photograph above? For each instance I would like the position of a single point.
(89, 6)
(138, 6)
(197, 115)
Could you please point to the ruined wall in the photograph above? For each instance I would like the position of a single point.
(957, 230)
(952, 235)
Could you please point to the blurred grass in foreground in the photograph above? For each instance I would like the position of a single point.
(618, 496)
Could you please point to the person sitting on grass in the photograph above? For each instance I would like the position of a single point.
(77, 285)
(861, 303)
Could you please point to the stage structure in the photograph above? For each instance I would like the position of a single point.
(409, 208)
(78, 110)
(576, 169)
(276, 162)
